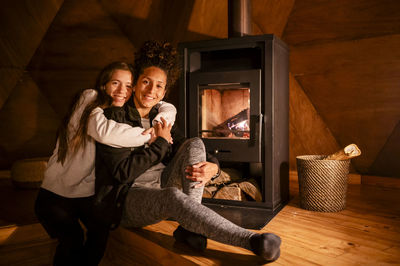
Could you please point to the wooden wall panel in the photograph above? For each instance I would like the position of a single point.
(354, 87)
(136, 28)
(209, 18)
(344, 61)
(28, 124)
(8, 78)
(387, 161)
(23, 25)
(80, 42)
(174, 21)
(59, 86)
(82, 36)
(308, 133)
(270, 17)
(316, 21)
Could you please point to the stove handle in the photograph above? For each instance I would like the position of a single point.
(256, 121)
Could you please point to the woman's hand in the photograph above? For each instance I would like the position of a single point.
(201, 172)
(163, 130)
(152, 134)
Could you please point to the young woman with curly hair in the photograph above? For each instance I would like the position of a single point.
(165, 180)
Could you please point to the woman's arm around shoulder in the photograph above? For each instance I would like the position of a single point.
(114, 134)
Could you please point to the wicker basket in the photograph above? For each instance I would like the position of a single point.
(322, 183)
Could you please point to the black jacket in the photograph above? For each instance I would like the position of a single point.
(117, 168)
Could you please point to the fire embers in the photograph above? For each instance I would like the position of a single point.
(236, 126)
(225, 111)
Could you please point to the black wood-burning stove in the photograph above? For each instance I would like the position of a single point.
(235, 95)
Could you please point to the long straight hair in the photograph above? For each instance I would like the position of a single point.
(68, 143)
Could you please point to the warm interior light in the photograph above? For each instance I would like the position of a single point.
(225, 111)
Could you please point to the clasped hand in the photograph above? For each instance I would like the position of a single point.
(201, 172)
(160, 129)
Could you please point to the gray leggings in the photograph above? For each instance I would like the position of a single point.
(178, 200)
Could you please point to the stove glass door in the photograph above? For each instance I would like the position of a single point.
(225, 111)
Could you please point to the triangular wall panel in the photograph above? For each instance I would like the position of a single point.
(23, 25)
(28, 124)
(80, 42)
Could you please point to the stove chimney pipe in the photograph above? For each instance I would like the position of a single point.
(239, 18)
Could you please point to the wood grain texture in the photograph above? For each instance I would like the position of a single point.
(367, 232)
(271, 16)
(26, 245)
(59, 86)
(313, 21)
(209, 18)
(380, 181)
(354, 87)
(344, 58)
(28, 126)
(308, 133)
(387, 161)
(23, 25)
(8, 79)
(81, 37)
(174, 21)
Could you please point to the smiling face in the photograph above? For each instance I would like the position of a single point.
(119, 87)
(149, 89)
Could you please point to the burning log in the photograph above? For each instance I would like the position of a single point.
(236, 126)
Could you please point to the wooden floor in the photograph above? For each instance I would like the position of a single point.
(367, 232)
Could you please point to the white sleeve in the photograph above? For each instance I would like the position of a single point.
(114, 134)
(167, 111)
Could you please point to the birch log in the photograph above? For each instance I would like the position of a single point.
(348, 152)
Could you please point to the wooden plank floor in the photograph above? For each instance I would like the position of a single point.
(367, 232)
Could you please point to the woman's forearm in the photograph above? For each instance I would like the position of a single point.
(114, 134)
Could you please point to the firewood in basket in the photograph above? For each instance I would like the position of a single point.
(251, 188)
(348, 152)
(229, 193)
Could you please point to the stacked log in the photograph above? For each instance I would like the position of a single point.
(230, 185)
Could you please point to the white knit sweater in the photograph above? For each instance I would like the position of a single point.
(75, 178)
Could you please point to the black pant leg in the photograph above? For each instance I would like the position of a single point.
(59, 216)
(96, 235)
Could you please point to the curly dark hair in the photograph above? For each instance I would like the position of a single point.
(159, 54)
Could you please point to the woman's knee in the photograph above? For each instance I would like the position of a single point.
(195, 148)
(196, 143)
(171, 194)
